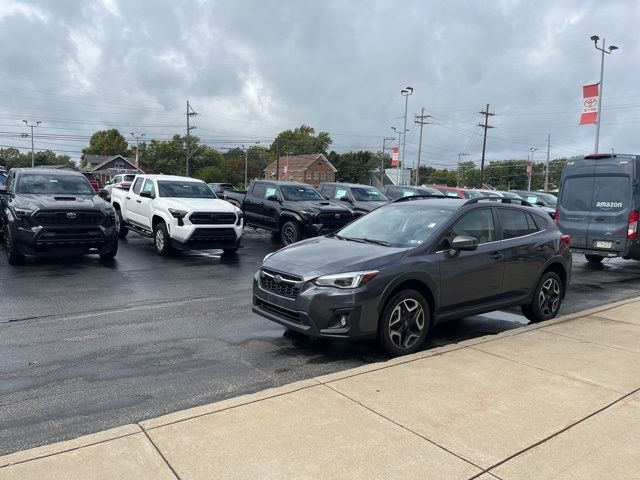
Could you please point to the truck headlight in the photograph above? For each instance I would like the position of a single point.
(306, 214)
(346, 280)
(23, 212)
(177, 213)
(240, 216)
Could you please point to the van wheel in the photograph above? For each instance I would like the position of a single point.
(290, 233)
(120, 228)
(161, 240)
(14, 257)
(547, 299)
(594, 258)
(405, 323)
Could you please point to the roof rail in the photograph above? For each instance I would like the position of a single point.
(508, 200)
(418, 197)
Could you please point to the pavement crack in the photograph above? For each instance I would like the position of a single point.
(166, 461)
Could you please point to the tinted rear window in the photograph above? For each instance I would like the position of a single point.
(611, 193)
(576, 193)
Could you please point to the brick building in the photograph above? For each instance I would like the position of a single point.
(312, 169)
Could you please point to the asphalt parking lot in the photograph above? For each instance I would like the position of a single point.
(86, 346)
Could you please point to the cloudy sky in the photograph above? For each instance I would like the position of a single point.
(253, 68)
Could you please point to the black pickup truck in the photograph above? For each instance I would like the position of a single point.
(294, 210)
(47, 212)
(360, 198)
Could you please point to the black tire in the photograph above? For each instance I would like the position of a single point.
(230, 251)
(405, 323)
(594, 258)
(112, 252)
(547, 299)
(120, 228)
(161, 240)
(14, 257)
(290, 233)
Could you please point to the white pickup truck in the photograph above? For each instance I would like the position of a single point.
(178, 213)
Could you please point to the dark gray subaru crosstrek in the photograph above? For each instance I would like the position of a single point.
(410, 264)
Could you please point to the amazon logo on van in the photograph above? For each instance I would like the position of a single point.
(608, 204)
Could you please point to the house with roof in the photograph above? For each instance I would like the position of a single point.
(104, 167)
(309, 168)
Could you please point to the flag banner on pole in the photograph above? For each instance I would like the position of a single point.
(394, 156)
(589, 104)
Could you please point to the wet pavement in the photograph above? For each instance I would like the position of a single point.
(86, 346)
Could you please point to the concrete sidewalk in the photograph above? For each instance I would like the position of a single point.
(550, 401)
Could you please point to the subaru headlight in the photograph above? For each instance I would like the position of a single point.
(346, 280)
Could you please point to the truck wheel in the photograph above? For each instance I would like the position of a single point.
(161, 240)
(14, 257)
(111, 253)
(594, 258)
(230, 251)
(290, 233)
(547, 299)
(120, 228)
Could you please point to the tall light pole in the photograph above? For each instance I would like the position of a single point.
(458, 171)
(33, 152)
(137, 137)
(246, 164)
(531, 149)
(595, 39)
(398, 161)
(405, 92)
(384, 144)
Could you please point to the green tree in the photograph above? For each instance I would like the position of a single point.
(107, 142)
(300, 141)
(354, 167)
(11, 157)
(168, 157)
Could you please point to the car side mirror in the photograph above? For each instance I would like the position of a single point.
(146, 194)
(326, 197)
(272, 198)
(345, 199)
(463, 242)
(103, 193)
(540, 204)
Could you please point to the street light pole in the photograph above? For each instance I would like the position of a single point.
(458, 171)
(398, 160)
(33, 153)
(531, 149)
(384, 143)
(595, 39)
(405, 92)
(137, 137)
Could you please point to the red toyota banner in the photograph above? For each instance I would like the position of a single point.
(394, 156)
(589, 104)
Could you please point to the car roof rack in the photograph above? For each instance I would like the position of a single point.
(507, 200)
(418, 197)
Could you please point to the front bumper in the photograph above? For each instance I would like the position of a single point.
(63, 241)
(205, 237)
(316, 311)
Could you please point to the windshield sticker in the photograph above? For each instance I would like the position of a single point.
(431, 225)
(608, 204)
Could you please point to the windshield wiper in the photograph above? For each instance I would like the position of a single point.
(379, 242)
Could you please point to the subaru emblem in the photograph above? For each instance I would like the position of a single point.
(71, 215)
(278, 278)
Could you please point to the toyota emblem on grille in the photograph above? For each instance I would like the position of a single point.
(337, 215)
(278, 278)
(71, 215)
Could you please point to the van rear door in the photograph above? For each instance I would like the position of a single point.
(611, 203)
(574, 203)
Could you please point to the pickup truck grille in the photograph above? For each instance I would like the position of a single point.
(280, 283)
(200, 234)
(212, 218)
(337, 219)
(49, 219)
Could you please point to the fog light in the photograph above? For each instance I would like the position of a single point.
(340, 319)
(343, 320)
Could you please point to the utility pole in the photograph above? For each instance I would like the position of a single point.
(405, 92)
(546, 171)
(458, 171)
(277, 159)
(33, 152)
(384, 144)
(420, 120)
(486, 127)
(531, 149)
(137, 137)
(190, 113)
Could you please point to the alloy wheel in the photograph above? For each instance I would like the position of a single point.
(288, 235)
(406, 323)
(549, 297)
(159, 240)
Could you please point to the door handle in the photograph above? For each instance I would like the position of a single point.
(138, 201)
(599, 219)
(496, 255)
(128, 198)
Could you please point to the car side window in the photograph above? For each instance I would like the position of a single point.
(514, 223)
(340, 192)
(258, 190)
(137, 185)
(536, 223)
(477, 224)
(392, 193)
(11, 182)
(271, 191)
(149, 187)
(328, 191)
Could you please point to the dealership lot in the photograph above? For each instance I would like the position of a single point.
(86, 346)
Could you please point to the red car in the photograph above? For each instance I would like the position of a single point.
(92, 180)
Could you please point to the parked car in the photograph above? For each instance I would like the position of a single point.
(220, 188)
(361, 198)
(467, 193)
(393, 192)
(599, 205)
(293, 210)
(541, 199)
(408, 265)
(95, 184)
(122, 181)
(47, 212)
(178, 213)
(455, 192)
